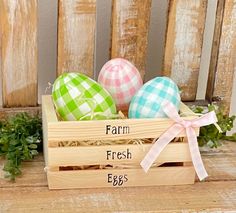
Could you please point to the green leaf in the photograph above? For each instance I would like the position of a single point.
(19, 136)
(30, 139)
(33, 146)
(210, 135)
(34, 152)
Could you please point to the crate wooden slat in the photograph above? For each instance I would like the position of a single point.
(183, 48)
(76, 36)
(179, 168)
(137, 129)
(57, 156)
(130, 24)
(18, 38)
(137, 177)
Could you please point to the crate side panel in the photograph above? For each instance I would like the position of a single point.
(47, 106)
(45, 139)
(185, 110)
(48, 115)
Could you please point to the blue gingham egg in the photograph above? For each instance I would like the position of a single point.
(148, 100)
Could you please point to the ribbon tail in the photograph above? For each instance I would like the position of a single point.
(195, 154)
(159, 145)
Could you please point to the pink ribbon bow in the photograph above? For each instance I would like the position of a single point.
(180, 125)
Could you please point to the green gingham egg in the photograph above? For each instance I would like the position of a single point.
(146, 103)
(78, 97)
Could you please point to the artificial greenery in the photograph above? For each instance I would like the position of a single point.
(210, 135)
(20, 138)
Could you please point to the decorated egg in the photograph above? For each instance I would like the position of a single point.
(147, 101)
(121, 79)
(78, 97)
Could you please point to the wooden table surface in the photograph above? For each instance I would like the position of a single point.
(217, 194)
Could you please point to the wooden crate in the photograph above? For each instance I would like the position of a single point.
(123, 160)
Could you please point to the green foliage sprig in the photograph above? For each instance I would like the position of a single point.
(20, 138)
(210, 135)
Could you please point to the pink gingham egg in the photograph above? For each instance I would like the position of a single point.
(121, 79)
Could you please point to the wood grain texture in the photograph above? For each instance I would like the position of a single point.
(139, 128)
(218, 167)
(30, 192)
(76, 36)
(8, 112)
(34, 175)
(178, 175)
(63, 156)
(130, 24)
(215, 49)
(186, 21)
(19, 52)
(225, 62)
(211, 197)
